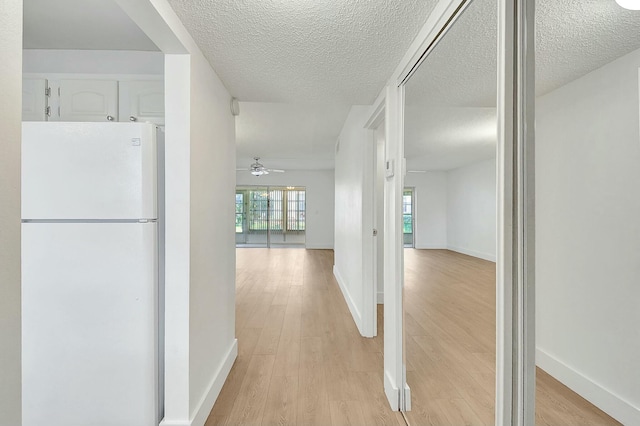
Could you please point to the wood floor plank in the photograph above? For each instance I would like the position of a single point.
(346, 413)
(450, 343)
(301, 360)
(248, 407)
(281, 407)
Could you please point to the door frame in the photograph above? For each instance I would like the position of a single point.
(515, 283)
(370, 223)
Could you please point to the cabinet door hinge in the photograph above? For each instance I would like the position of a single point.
(47, 92)
(47, 111)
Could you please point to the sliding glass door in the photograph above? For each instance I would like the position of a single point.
(270, 216)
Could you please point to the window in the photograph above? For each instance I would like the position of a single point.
(296, 207)
(239, 212)
(276, 209)
(407, 212)
(258, 205)
(283, 210)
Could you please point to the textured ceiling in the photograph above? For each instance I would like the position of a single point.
(573, 38)
(455, 136)
(81, 24)
(288, 136)
(310, 51)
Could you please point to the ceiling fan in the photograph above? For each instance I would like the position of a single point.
(257, 169)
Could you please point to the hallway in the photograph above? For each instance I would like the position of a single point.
(301, 359)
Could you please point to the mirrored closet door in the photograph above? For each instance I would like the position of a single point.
(449, 295)
(587, 231)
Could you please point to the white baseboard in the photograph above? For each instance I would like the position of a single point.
(355, 313)
(431, 247)
(602, 398)
(205, 405)
(319, 247)
(407, 397)
(486, 256)
(392, 392)
(380, 298)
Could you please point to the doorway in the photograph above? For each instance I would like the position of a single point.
(270, 216)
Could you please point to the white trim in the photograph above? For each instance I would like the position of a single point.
(394, 354)
(380, 298)
(407, 397)
(428, 34)
(355, 313)
(377, 114)
(318, 247)
(486, 256)
(432, 247)
(392, 392)
(370, 219)
(604, 399)
(53, 76)
(205, 405)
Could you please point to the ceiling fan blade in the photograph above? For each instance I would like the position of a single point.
(276, 170)
(242, 170)
(416, 171)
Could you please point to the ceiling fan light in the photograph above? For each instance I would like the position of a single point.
(629, 4)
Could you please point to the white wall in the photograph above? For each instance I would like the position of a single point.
(200, 248)
(10, 129)
(588, 236)
(430, 230)
(212, 290)
(40, 61)
(471, 210)
(349, 175)
(320, 190)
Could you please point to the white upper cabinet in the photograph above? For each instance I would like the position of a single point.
(34, 99)
(142, 100)
(88, 100)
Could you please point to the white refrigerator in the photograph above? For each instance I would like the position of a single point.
(91, 281)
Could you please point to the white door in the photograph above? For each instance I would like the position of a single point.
(89, 171)
(34, 99)
(89, 336)
(142, 101)
(88, 100)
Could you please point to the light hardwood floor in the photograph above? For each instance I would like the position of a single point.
(302, 361)
(450, 342)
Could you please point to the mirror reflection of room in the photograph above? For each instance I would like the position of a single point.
(449, 296)
(587, 231)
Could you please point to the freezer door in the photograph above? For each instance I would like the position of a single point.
(89, 306)
(89, 171)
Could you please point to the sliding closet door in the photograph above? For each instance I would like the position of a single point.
(450, 140)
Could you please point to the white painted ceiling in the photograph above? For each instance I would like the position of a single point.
(304, 51)
(81, 24)
(573, 38)
(288, 136)
(297, 65)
